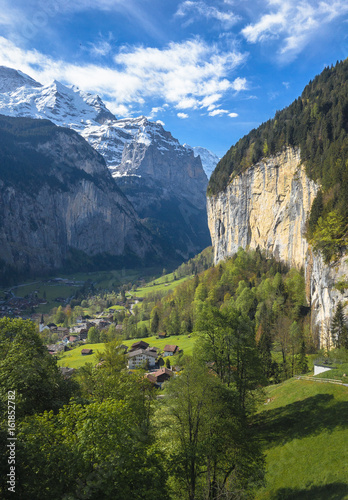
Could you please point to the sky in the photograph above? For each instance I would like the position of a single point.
(210, 71)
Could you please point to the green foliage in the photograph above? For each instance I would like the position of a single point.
(339, 328)
(93, 335)
(226, 341)
(263, 291)
(211, 452)
(102, 450)
(27, 368)
(330, 236)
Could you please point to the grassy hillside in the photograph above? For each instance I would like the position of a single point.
(303, 427)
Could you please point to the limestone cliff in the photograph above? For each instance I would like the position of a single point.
(267, 206)
(57, 196)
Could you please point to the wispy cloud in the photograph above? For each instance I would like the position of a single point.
(187, 75)
(182, 115)
(293, 23)
(193, 10)
(100, 49)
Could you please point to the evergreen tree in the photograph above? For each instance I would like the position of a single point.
(339, 328)
(155, 322)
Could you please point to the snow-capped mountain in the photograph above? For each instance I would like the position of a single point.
(208, 158)
(20, 95)
(132, 147)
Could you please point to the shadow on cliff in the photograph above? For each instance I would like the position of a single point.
(301, 419)
(332, 491)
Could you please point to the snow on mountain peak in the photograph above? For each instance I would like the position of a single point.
(11, 80)
(86, 113)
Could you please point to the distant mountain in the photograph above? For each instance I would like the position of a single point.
(170, 195)
(208, 158)
(59, 205)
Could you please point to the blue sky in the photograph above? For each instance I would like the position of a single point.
(209, 70)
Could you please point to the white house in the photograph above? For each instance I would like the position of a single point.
(140, 356)
(321, 369)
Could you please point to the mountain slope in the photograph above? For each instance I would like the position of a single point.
(58, 200)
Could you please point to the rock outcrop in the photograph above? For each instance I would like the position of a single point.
(267, 206)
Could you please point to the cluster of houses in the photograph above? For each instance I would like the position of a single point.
(74, 334)
(15, 306)
(141, 354)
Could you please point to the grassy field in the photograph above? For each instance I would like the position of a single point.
(163, 284)
(303, 428)
(74, 358)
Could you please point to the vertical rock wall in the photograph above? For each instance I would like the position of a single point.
(267, 206)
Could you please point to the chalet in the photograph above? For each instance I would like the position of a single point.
(170, 350)
(161, 335)
(160, 376)
(141, 356)
(86, 352)
(139, 345)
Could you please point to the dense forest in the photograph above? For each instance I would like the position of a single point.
(317, 123)
(270, 295)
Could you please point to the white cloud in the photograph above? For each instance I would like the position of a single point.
(182, 115)
(160, 122)
(294, 23)
(240, 84)
(218, 112)
(187, 75)
(119, 110)
(233, 115)
(199, 9)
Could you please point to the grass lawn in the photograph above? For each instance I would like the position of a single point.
(74, 358)
(303, 427)
(340, 372)
(185, 342)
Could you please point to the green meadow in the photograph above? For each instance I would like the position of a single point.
(303, 427)
(74, 358)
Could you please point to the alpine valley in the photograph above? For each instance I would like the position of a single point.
(163, 180)
(122, 380)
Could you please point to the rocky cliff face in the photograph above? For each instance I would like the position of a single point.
(57, 196)
(267, 206)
